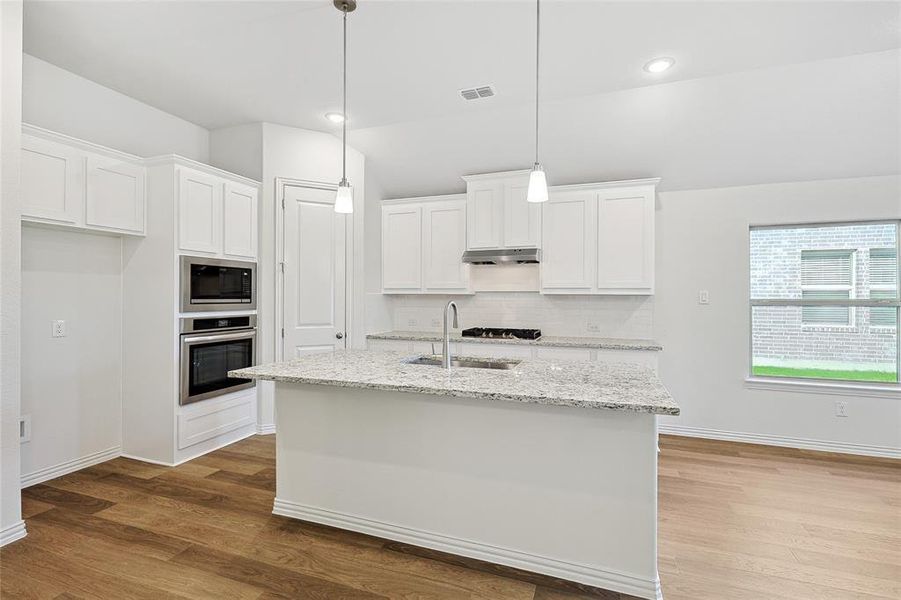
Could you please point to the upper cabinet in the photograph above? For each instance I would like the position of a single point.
(498, 215)
(599, 239)
(423, 240)
(69, 182)
(216, 214)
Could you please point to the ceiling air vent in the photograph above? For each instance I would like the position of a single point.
(484, 91)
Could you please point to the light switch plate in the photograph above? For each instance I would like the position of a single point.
(24, 429)
(592, 327)
(703, 297)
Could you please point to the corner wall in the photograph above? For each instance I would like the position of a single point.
(11, 525)
(703, 244)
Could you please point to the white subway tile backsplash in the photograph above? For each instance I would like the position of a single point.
(601, 316)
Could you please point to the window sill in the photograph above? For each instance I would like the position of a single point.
(888, 390)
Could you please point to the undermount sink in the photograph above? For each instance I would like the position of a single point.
(470, 363)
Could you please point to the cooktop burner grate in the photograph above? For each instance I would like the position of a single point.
(502, 333)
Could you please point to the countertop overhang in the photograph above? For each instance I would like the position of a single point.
(611, 386)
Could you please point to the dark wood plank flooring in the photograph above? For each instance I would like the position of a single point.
(737, 522)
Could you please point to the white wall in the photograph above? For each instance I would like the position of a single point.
(56, 99)
(11, 525)
(702, 244)
(238, 149)
(71, 386)
(311, 156)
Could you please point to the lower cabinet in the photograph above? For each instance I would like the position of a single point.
(495, 350)
(571, 354)
(210, 419)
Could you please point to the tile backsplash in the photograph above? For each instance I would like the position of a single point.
(602, 316)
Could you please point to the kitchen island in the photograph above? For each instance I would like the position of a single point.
(548, 467)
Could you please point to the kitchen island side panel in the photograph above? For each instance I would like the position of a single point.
(565, 491)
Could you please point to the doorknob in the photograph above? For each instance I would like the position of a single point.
(339, 335)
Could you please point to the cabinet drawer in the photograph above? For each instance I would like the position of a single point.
(390, 345)
(568, 354)
(495, 350)
(211, 418)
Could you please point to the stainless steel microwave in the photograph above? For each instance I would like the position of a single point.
(211, 284)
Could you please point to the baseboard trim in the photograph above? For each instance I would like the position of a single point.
(265, 429)
(70, 466)
(611, 580)
(14, 532)
(782, 441)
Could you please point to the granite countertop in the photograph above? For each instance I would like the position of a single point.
(612, 386)
(598, 343)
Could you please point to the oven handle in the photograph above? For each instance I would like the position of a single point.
(222, 337)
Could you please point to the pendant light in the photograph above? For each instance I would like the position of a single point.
(344, 198)
(537, 179)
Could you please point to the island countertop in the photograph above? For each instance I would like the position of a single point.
(611, 386)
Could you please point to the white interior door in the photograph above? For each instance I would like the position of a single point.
(314, 272)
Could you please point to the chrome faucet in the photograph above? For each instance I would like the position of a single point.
(446, 359)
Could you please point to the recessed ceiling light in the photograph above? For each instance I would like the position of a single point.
(335, 117)
(659, 65)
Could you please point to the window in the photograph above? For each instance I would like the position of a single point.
(825, 302)
(827, 275)
(883, 285)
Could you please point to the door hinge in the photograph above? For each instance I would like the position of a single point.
(282, 265)
(283, 203)
(283, 332)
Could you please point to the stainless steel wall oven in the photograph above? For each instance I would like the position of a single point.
(210, 348)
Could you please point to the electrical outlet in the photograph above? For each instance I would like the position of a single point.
(59, 329)
(703, 297)
(593, 327)
(24, 429)
(841, 408)
(436, 323)
(412, 322)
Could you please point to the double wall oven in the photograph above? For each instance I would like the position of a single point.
(212, 345)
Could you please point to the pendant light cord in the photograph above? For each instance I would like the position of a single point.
(344, 108)
(537, 62)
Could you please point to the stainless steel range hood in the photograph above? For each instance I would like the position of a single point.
(503, 256)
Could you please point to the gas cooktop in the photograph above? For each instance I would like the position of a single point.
(502, 333)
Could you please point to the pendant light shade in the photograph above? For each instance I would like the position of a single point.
(537, 179)
(537, 185)
(344, 198)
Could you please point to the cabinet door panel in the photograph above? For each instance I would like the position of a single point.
(52, 181)
(444, 240)
(495, 350)
(115, 195)
(199, 212)
(484, 213)
(239, 218)
(401, 248)
(567, 243)
(625, 257)
(522, 219)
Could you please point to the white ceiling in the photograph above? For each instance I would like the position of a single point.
(224, 63)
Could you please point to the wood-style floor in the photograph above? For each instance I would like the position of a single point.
(737, 522)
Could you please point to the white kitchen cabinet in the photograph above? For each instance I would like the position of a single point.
(116, 195)
(77, 184)
(599, 239)
(625, 225)
(402, 248)
(568, 233)
(498, 215)
(52, 181)
(642, 357)
(562, 354)
(423, 240)
(199, 212)
(239, 221)
(443, 241)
